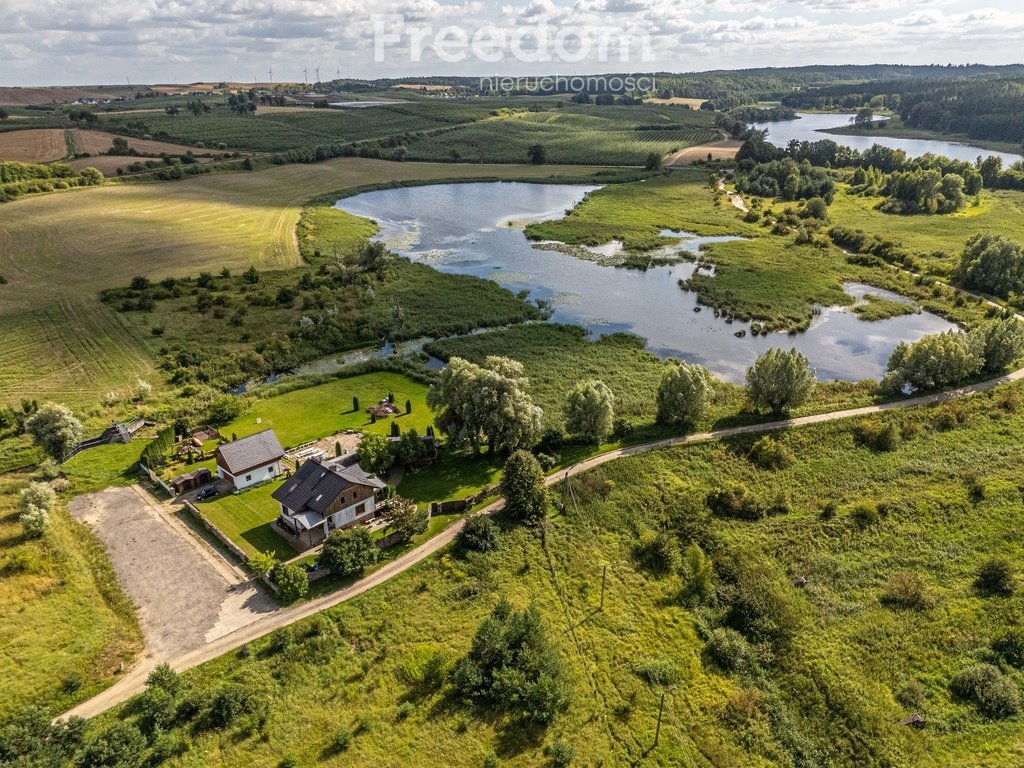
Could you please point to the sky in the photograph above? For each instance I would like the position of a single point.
(65, 42)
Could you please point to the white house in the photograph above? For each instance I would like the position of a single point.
(251, 460)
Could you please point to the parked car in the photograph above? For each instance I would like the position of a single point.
(207, 493)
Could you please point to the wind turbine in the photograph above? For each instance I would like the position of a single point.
(337, 75)
(317, 70)
(305, 75)
(270, 74)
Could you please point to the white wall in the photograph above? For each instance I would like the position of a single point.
(349, 514)
(258, 475)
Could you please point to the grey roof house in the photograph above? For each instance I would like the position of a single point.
(250, 460)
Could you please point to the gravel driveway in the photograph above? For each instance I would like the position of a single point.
(185, 595)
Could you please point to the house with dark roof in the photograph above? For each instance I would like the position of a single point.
(323, 496)
(250, 460)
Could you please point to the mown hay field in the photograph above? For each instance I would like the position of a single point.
(36, 145)
(98, 142)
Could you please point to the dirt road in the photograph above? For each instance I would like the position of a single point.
(134, 681)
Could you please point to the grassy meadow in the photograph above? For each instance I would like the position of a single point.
(827, 684)
(56, 339)
(936, 240)
(65, 626)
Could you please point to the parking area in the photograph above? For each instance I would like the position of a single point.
(185, 594)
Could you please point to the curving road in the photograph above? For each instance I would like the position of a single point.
(135, 680)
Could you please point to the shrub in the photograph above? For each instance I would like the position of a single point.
(729, 650)
(349, 551)
(262, 562)
(934, 362)
(735, 503)
(1010, 646)
(231, 702)
(479, 534)
(865, 515)
(906, 590)
(34, 521)
(769, 453)
(590, 411)
(878, 435)
(157, 710)
(561, 753)
(164, 677)
(657, 553)
(656, 671)
(341, 740)
(425, 668)
(995, 577)
(291, 580)
(993, 693)
(121, 745)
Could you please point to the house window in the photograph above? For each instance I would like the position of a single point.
(248, 478)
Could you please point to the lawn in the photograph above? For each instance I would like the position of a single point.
(245, 518)
(840, 669)
(311, 413)
(57, 340)
(65, 626)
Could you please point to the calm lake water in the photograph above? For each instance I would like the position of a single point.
(809, 127)
(464, 229)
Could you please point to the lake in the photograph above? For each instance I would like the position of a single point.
(465, 229)
(809, 127)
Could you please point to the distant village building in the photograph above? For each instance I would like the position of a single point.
(251, 460)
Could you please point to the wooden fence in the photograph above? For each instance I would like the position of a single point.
(461, 505)
(155, 478)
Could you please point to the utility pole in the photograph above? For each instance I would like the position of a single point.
(661, 711)
(604, 580)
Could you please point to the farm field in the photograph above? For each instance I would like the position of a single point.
(609, 135)
(34, 145)
(806, 673)
(311, 413)
(716, 150)
(65, 627)
(228, 220)
(292, 128)
(98, 142)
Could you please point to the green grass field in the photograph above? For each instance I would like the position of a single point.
(937, 240)
(65, 626)
(56, 340)
(587, 135)
(311, 413)
(245, 518)
(831, 694)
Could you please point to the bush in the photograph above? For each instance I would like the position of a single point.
(934, 362)
(479, 534)
(164, 677)
(349, 551)
(157, 710)
(865, 515)
(878, 435)
(341, 740)
(121, 745)
(1010, 647)
(658, 553)
(906, 590)
(734, 503)
(425, 668)
(291, 580)
(231, 702)
(729, 650)
(561, 753)
(656, 671)
(769, 453)
(590, 411)
(993, 693)
(34, 521)
(995, 577)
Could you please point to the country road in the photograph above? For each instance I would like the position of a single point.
(135, 680)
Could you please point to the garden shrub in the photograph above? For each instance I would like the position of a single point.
(479, 534)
